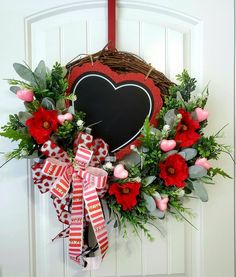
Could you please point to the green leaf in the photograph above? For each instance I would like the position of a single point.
(188, 153)
(179, 97)
(196, 171)
(159, 214)
(14, 89)
(200, 191)
(169, 153)
(219, 171)
(170, 118)
(48, 103)
(41, 73)
(61, 104)
(24, 72)
(24, 116)
(148, 180)
(14, 135)
(150, 202)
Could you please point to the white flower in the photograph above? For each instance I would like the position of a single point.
(80, 123)
(108, 165)
(133, 147)
(166, 128)
(179, 115)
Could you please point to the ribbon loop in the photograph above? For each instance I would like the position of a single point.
(63, 171)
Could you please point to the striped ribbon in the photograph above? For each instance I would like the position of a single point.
(63, 172)
(85, 182)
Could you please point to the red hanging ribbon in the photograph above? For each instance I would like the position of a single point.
(112, 24)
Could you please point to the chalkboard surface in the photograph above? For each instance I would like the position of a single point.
(118, 105)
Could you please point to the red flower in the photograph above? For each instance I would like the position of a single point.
(125, 194)
(174, 170)
(185, 131)
(42, 124)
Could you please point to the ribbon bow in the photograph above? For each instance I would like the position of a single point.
(85, 180)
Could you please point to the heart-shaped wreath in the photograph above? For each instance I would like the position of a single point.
(158, 157)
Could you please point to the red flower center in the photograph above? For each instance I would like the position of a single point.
(184, 127)
(171, 170)
(46, 125)
(125, 190)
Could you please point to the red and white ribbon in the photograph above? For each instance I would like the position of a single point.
(85, 181)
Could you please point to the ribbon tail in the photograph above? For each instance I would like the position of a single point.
(96, 216)
(77, 215)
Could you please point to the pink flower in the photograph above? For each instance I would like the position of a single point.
(25, 95)
(203, 162)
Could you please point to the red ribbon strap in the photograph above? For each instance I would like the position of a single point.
(112, 24)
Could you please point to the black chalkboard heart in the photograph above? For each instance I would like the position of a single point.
(118, 103)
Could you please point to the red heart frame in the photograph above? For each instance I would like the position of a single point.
(98, 67)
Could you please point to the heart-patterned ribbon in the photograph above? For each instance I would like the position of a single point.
(86, 182)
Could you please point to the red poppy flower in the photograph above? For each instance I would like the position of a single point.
(125, 194)
(174, 170)
(185, 131)
(42, 124)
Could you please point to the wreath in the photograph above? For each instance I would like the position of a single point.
(166, 162)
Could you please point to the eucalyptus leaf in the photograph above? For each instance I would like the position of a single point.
(71, 110)
(14, 89)
(196, 171)
(148, 180)
(170, 118)
(150, 202)
(34, 155)
(183, 154)
(143, 149)
(179, 97)
(159, 214)
(24, 116)
(157, 195)
(132, 159)
(25, 73)
(188, 153)
(200, 191)
(61, 104)
(48, 103)
(194, 115)
(189, 187)
(167, 154)
(41, 74)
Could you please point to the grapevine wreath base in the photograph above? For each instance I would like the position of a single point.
(112, 127)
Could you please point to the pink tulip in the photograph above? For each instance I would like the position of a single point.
(25, 95)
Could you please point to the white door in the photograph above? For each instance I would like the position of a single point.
(172, 35)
